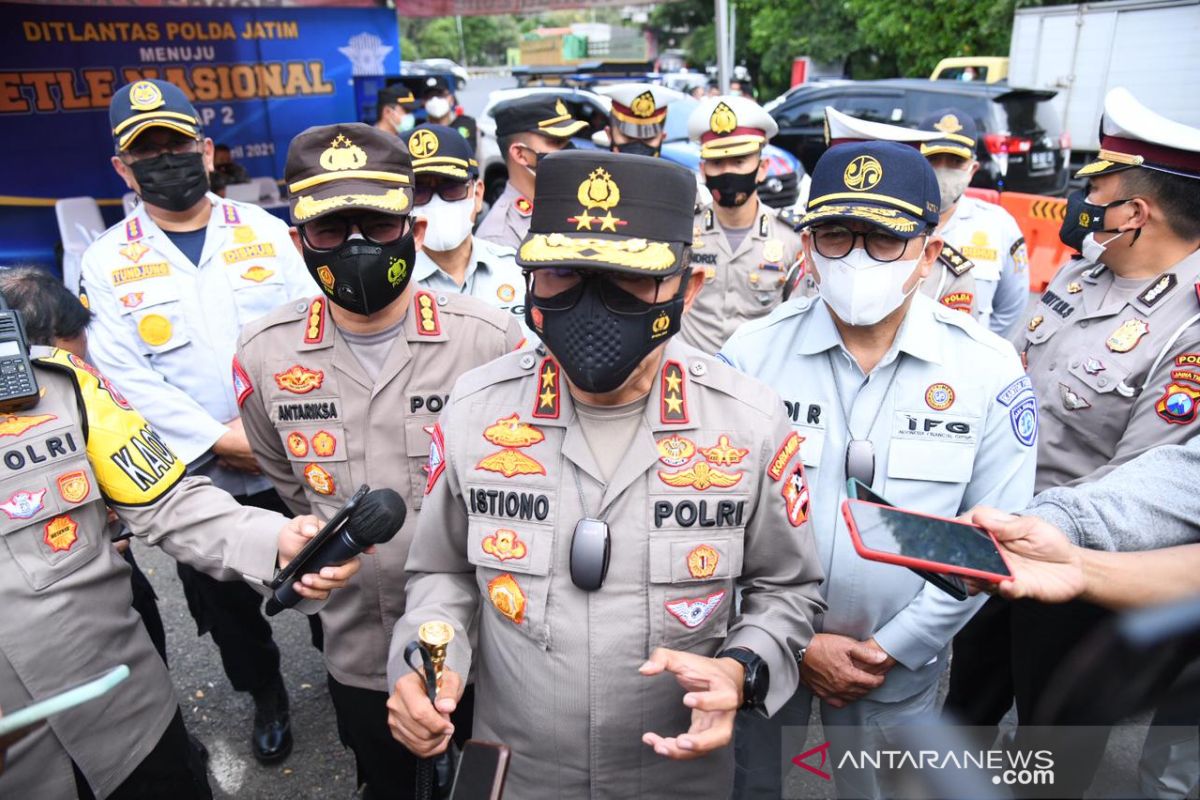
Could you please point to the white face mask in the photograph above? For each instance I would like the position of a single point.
(449, 223)
(952, 183)
(861, 290)
(1092, 250)
(437, 107)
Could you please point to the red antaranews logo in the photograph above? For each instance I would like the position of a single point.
(823, 749)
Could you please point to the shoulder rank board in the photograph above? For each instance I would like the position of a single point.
(955, 261)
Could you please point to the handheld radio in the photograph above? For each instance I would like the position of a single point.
(18, 386)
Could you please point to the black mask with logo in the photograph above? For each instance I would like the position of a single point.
(171, 181)
(732, 189)
(366, 277)
(1083, 218)
(599, 348)
(637, 147)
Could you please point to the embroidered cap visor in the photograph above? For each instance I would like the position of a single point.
(347, 166)
(610, 212)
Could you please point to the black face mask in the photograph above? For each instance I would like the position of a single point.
(637, 148)
(366, 277)
(731, 189)
(1083, 218)
(541, 156)
(598, 348)
(172, 181)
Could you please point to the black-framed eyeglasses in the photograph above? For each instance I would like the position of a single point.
(860, 461)
(836, 241)
(450, 191)
(560, 289)
(175, 145)
(332, 231)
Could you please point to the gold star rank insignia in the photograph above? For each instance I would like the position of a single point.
(546, 402)
(673, 394)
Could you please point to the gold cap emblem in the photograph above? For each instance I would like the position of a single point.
(723, 120)
(863, 174)
(559, 108)
(423, 143)
(343, 154)
(599, 191)
(949, 124)
(145, 96)
(643, 105)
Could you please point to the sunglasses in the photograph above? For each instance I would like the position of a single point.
(450, 191)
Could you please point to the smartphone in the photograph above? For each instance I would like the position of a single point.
(34, 713)
(330, 529)
(950, 584)
(935, 544)
(482, 768)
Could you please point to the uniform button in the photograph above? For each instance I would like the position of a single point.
(540, 349)
(301, 306)
(527, 361)
(1074, 365)
(1103, 382)
(698, 368)
(1083, 323)
(1051, 367)
(441, 301)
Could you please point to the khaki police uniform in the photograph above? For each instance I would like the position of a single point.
(64, 589)
(320, 428)
(1117, 374)
(709, 499)
(739, 285)
(507, 221)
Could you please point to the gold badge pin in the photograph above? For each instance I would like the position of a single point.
(863, 174)
(643, 105)
(155, 329)
(949, 124)
(1035, 322)
(507, 597)
(1126, 337)
(1074, 287)
(600, 191)
(145, 96)
(343, 154)
(722, 120)
(702, 561)
(243, 234)
(773, 251)
(423, 143)
(325, 275)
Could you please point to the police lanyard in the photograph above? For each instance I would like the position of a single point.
(860, 451)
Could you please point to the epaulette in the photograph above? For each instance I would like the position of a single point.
(509, 367)
(713, 373)
(288, 312)
(789, 217)
(464, 305)
(955, 261)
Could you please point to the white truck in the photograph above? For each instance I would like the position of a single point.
(1150, 48)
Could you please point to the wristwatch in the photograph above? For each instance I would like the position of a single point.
(757, 680)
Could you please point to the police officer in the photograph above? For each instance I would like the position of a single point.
(441, 108)
(170, 286)
(637, 120)
(1113, 352)
(449, 195)
(527, 129)
(912, 399)
(984, 236)
(344, 389)
(594, 506)
(393, 109)
(65, 590)
(740, 245)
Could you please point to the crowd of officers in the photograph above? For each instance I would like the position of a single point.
(519, 381)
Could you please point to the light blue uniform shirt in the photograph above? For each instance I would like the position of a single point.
(492, 276)
(165, 330)
(953, 425)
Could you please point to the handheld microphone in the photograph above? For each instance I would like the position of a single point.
(369, 518)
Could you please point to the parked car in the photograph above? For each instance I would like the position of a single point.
(1022, 147)
(780, 189)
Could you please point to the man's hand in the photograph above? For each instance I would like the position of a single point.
(233, 449)
(714, 687)
(419, 725)
(313, 586)
(1045, 565)
(841, 670)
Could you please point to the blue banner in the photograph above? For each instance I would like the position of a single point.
(257, 76)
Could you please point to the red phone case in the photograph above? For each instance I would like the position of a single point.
(920, 563)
